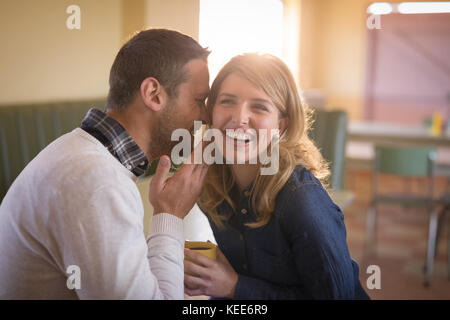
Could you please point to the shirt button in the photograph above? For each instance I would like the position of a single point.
(128, 166)
(244, 266)
(246, 193)
(244, 211)
(142, 163)
(241, 237)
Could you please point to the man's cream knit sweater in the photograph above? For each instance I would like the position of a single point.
(76, 205)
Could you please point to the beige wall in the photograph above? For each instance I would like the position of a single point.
(180, 15)
(42, 60)
(332, 51)
(133, 18)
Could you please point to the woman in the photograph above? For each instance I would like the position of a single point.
(280, 235)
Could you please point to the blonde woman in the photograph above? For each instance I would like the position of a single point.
(280, 235)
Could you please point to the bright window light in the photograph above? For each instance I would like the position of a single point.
(424, 7)
(379, 8)
(232, 27)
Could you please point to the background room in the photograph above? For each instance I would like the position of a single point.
(376, 74)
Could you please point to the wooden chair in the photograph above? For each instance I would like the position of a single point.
(407, 162)
(438, 218)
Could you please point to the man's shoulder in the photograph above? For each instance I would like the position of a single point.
(76, 160)
(71, 144)
(76, 149)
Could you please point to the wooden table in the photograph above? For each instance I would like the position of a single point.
(377, 132)
(363, 136)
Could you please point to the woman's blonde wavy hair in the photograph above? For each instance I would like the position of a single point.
(270, 74)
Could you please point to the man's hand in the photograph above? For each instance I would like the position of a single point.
(177, 194)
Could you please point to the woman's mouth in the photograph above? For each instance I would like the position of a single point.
(238, 137)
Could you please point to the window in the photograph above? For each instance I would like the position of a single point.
(233, 27)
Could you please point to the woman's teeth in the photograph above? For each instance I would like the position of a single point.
(238, 135)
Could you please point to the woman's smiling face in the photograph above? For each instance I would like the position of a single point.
(244, 114)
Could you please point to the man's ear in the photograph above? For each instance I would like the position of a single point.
(153, 94)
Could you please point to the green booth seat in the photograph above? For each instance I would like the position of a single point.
(26, 129)
(329, 132)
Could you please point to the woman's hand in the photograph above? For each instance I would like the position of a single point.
(215, 278)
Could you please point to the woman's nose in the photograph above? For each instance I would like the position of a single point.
(241, 115)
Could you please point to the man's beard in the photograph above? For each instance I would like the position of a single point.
(161, 143)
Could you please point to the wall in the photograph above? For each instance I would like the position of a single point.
(133, 18)
(180, 15)
(332, 51)
(42, 60)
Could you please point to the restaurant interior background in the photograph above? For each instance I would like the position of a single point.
(385, 69)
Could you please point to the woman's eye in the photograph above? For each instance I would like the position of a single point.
(260, 107)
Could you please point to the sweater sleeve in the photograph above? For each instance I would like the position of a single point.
(106, 241)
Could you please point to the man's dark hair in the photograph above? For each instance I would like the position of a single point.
(158, 53)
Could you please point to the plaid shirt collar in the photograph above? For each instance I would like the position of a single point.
(116, 139)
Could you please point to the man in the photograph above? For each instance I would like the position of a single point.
(71, 223)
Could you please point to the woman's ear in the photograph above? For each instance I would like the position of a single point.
(283, 124)
(153, 94)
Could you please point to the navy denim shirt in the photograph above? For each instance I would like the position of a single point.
(301, 253)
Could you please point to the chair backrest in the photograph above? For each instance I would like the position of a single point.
(27, 129)
(405, 161)
(329, 132)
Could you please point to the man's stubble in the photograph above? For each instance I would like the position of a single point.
(161, 133)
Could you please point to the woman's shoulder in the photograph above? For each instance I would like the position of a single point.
(300, 177)
(304, 191)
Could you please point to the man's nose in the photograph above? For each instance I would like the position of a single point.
(203, 115)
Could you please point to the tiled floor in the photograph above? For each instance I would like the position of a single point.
(401, 245)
